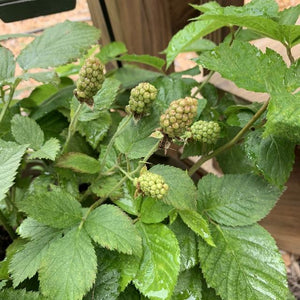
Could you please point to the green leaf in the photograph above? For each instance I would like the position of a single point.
(273, 156)
(260, 72)
(292, 76)
(187, 241)
(208, 293)
(188, 35)
(95, 130)
(182, 191)
(69, 267)
(188, 285)
(236, 200)
(104, 187)
(55, 208)
(130, 76)
(7, 65)
(149, 60)
(110, 51)
(198, 224)
(289, 16)
(26, 131)
(79, 162)
(58, 45)
(153, 210)
(102, 100)
(200, 46)
(111, 228)
(247, 260)
(11, 294)
(10, 159)
(48, 151)
(142, 147)
(282, 116)
(44, 77)
(27, 261)
(160, 264)
(14, 35)
(128, 202)
(60, 99)
(135, 133)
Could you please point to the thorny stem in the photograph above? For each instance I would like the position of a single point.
(203, 83)
(7, 227)
(231, 143)
(72, 126)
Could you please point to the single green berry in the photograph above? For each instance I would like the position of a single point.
(152, 185)
(179, 116)
(206, 132)
(91, 78)
(141, 98)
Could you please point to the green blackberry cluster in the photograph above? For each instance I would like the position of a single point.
(91, 78)
(179, 116)
(152, 185)
(141, 98)
(206, 132)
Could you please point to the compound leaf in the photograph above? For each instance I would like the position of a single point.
(48, 151)
(7, 65)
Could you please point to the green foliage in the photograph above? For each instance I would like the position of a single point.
(247, 260)
(58, 45)
(74, 177)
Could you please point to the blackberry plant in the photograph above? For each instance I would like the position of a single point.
(87, 220)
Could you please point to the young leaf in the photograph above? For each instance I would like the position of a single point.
(198, 224)
(110, 51)
(26, 131)
(236, 200)
(260, 72)
(56, 208)
(26, 262)
(187, 241)
(48, 151)
(153, 61)
(247, 260)
(69, 268)
(11, 155)
(188, 35)
(189, 285)
(182, 191)
(111, 228)
(160, 264)
(58, 45)
(273, 156)
(153, 210)
(11, 294)
(282, 116)
(79, 162)
(95, 130)
(7, 65)
(102, 100)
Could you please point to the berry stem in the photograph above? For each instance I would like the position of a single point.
(72, 126)
(231, 143)
(203, 83)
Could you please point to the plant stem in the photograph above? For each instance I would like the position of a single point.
(203, 83)
(7, 227)
(111, 142)
(231, 143)
(72, 126)
(289, 53)
(7, 103)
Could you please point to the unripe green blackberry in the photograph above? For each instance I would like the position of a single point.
(90, 79)
(152, 185)
(179, 116)
(206, 132)
(141, 98)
